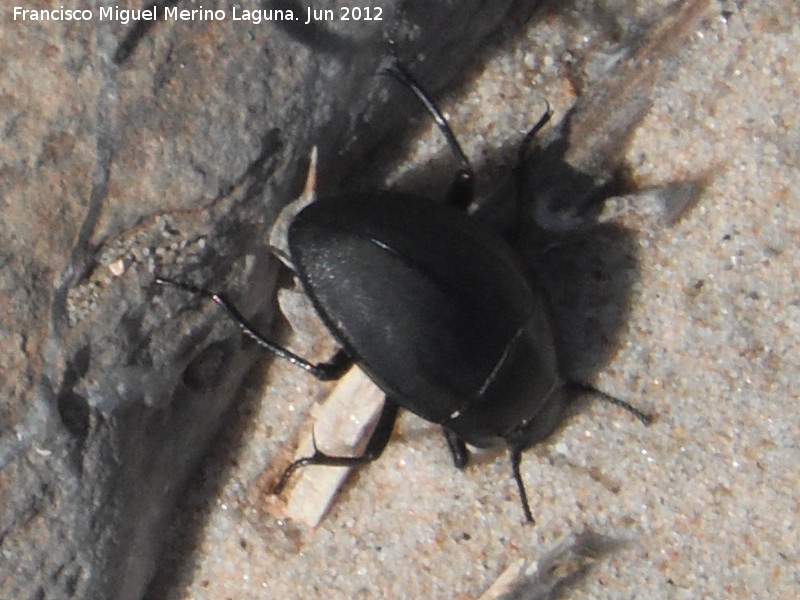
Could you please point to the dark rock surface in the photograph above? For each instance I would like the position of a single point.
(167, 147)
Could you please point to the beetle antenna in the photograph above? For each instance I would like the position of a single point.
(516, 457)
(585, 387)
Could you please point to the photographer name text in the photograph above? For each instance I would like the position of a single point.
(172, 13)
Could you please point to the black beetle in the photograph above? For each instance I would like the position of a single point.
(436, 309)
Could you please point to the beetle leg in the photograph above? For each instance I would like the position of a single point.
(458, 449)
(520, 170)
(461, 190)
(524, 146)
(326, 371)
(375, 446)
(331, 370)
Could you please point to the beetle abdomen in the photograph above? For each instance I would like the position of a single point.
(425, 299)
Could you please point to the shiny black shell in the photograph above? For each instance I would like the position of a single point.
(435, 308)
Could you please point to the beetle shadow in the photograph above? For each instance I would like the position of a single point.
(587, 280)
(586, 268)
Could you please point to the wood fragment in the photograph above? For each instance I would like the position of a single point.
(342, 425)
(505, 583)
